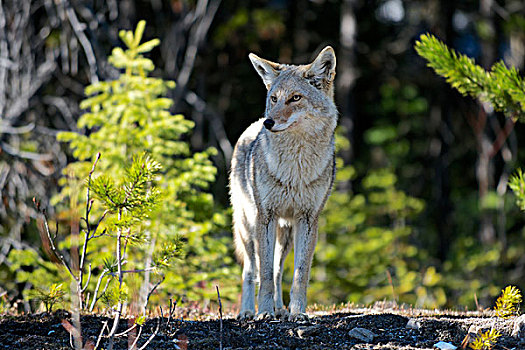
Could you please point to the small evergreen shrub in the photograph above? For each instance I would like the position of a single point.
(124, 118)
(508, 303)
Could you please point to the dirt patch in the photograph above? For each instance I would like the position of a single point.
(387, 330)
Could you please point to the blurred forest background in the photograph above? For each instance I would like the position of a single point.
(421, 213)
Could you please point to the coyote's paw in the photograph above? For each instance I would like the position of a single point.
(245, 315)
(298, 317)
(265, 315)
(282, 314)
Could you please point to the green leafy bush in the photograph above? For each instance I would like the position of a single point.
(508, 302)
(485, 340)
(50, 297)
(128, 116)
(517, 185)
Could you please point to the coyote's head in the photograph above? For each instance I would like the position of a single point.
(299, 96)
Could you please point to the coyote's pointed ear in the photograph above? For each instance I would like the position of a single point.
(321, 72)
(267, 70)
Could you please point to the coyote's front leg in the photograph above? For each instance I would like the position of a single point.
(305, 238)
(265, 241)
(283, 245)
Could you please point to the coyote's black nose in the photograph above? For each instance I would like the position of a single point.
(269, 123)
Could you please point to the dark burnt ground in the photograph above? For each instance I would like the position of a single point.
(46, 331)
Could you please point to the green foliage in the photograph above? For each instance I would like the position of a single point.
(250, 26)
(508, 303)
(517, 185)
(141, 320)
(486, 340)
(28, 266)
(115, 295)
(365, 238)
(50, 297)
(128, 121)
(130, 115)
(134, 196)
(502, 87)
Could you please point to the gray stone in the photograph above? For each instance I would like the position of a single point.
(307, 331)
(362, 334)
(413, 324)
(444, 346)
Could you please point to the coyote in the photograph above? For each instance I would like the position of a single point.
(282, 171)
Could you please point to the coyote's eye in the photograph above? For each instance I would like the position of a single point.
(273, 98)
(296, 98)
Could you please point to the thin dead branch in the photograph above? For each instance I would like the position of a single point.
(220, 319)
(153, 335)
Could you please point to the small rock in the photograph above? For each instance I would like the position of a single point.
(475, 330)
(444, 346)
(519, 327)
(307, 331)
(413, 324)
(362, 334)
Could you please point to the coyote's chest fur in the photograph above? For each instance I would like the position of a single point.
(296, 172)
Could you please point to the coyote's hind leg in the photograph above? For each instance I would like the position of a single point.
(245, 248)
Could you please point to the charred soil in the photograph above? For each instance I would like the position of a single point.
(385, 329)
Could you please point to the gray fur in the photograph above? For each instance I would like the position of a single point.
(280, 180)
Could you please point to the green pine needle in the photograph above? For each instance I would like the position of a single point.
(485, 341)
(517, 185)
(508, 303)
(50, 297)
(502, 87)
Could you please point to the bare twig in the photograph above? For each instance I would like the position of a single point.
(133, 271)
(93, 235)
(204, 15)
(502, 136)
(391, 282)
(216, 121)
(120, 305)
(220, 315)
(87, 281)
(133, 346)
(95, 292)
(57, 253)
(7, 148)
(21, 103)
(171, 311)
(126, 331)
(78, 28)
(8, 129)
(152, 336)
(89, 206)
(97, 297)
(151, 292)
(104, 326)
